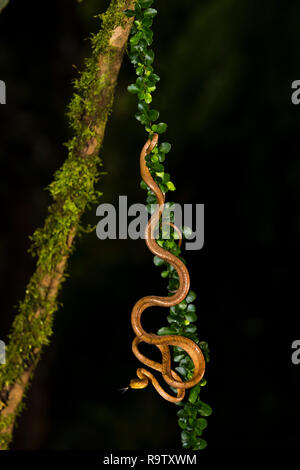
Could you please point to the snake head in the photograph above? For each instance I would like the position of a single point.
(138, 383)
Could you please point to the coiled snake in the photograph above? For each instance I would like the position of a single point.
(163, 343)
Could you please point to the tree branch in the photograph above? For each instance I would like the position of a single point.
(73, 189)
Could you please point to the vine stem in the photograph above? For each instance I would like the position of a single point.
(31, 328)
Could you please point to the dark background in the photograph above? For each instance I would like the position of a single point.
(226, 69)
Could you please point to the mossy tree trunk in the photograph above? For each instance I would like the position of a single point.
(72, 191)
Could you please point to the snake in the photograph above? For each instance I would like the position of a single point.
(163, 343)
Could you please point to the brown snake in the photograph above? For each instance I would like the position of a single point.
(163, 343)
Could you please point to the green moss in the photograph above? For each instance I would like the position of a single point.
(6, 422)
(88, 86)
(5, 439)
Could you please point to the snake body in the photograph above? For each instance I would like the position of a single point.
(163, 343)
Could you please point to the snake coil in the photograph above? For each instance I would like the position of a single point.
(163, 343)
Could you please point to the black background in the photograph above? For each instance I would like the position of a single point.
(226, 69)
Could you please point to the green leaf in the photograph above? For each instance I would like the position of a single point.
(178, 357)
(161, 127)
(135, 38)
(141, 95)
(143, 108)
(151, 199)
(205, 349)
(165, 147)
(182, 423)
(183, 413)
(164, 274)
(158, 167)
(161, 157)
(175, 309)
(201, 424)
(190, 297)
(166, 330)
(142, 118)
(193, 395)
(153, 115)
(146, 3)
(133, 88)
(204, 409)
(166, 178)
(143, 185)
(140, 70)
(151, 88)
(150, 13)
(190, 329)
(129, 13)
(138, 10)
(149, 56)
(171, 320)
(201, 444)
(171, 186)
(140, 82)
(147, 22)
(191, 308)
(185, 438)
(191, 316)
(148, 98)
(134, 57)
(181, 370)
(173, 284)
(148, 36)
(186, 361)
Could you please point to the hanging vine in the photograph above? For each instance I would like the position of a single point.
(193, 412)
